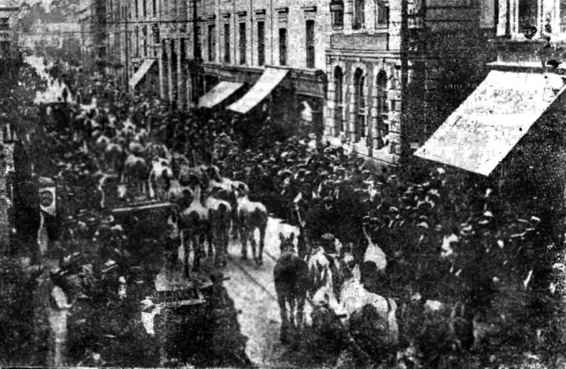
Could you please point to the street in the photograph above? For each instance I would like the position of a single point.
(398, 165)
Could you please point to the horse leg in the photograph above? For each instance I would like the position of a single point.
(186, 248)
(284, 334)
(262, 231)
(244, 240)
(254, 245)
(197, 251)
(300, 309)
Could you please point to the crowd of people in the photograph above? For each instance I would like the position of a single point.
(455, 242)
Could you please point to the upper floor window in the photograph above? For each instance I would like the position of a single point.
(382, 13)
(227, 43)
(154, 7)
(310, 44)
(242, 43)
(260, 42)
(359, 14)
(283, 46)
(337, 13)
(144, 8)
(211, 42)
(137, 9)
(528, 17)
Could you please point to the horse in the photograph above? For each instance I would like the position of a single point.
(251, 215)
(291, 277)
(136, 172)
(194, 225)
(354, 297)
(219, 212)
(114, 156)
(159, 177)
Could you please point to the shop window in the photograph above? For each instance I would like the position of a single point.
(310, 44)
(359, 14)
(359, 105)
(339, 99)
(283, 46)
(337, 13)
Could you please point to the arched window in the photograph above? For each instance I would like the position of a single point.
(381, 83)
(359, 105)
(382, 107)
(339, 99)
(359, 14)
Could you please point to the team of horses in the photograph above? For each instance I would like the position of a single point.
(206, 206)
(331, 283)
(210, 209)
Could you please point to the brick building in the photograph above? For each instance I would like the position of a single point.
(397, 68)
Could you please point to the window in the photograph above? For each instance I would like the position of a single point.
(144, 35)
(136, 9)
(144, 8)
(381, 84)
(382, 13)
(198, 46)
(339, 100)
(282, 46)
(260, 43)
(337, 13)
(358, 21)
(527, 16)
(227, 43)
(155, 31)
(310, 44)
(137, 33)
(359, 105)
(211, 42)
(562, 16)
(382, 108)
(154, 7)
(242, 44)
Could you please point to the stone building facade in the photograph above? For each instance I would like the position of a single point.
(396, 68)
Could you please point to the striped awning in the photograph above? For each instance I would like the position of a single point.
(141, 72)
(270, 78)
(218, 93)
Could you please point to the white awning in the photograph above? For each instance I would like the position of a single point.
(491, 121)
(218, 93)
(270, 78)
(141, 72)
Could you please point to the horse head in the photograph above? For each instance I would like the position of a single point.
(287, 244)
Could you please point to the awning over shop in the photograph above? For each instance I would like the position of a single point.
(141, 72)
(218, 93)
(270, 78)
(491, 121)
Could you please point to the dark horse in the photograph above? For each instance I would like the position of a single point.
(292, 281)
